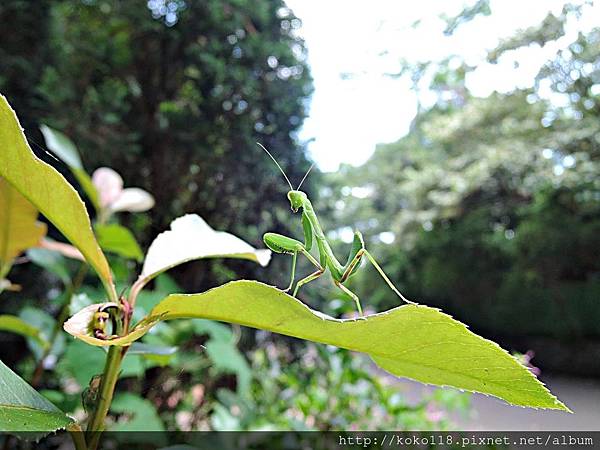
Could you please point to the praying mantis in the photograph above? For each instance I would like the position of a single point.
(340, 273)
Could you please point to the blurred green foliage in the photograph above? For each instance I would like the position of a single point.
(326, 388)
(490, 207)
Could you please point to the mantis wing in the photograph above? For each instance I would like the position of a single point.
(308, 232)
(357, 244)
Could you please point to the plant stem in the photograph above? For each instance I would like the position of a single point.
(109, 376)
(105, 395)
(77, 436)
(62, 316)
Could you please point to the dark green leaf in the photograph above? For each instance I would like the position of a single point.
(83, 362)
(16, 325)
(228, 359)
(45, 323)
(22, 408)
(50, 260)
(118, 239)
(143, 415)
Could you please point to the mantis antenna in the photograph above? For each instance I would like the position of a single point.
(307, 172)
(275, 161)
(30, 139)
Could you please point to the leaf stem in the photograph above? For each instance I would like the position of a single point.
(135, 290)
(107, 387)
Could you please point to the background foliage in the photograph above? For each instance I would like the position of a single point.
(488, 208)
(493, 203)
(175, 95)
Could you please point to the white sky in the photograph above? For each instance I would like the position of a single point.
(347, 118)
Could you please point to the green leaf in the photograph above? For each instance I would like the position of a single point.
(51, 261)
(45, 323)
(48, 190)
(222, 419)
(16, 325)
(118, 239)
(19, 228)
(217, 331)
(144, 415)
(165, 283)
(138, 348)
(22, 408)
(228, 359)
(64, 148)
(410, 341)
(153, 354)
(82, 362)
(79, 301)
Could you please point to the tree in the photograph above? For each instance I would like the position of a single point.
(493, 202)
(175, 95)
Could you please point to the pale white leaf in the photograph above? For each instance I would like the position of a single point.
(189, 238)
(80, 325)
(6, 285)
(62, 146)
(132, 200)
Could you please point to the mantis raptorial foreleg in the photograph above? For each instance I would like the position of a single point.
(284, 244)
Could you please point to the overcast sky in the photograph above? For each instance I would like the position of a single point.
(348, 117)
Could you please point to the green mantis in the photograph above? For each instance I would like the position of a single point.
(340, 273)
(114, 316)
(99, 324)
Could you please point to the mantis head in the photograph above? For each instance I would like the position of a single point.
(297, 199)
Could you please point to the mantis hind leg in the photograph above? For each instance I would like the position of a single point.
(384, 276)
(351, 294)
(353, 264)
